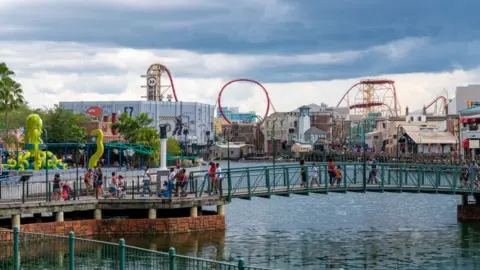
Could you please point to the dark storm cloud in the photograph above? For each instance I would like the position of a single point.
(444, 32)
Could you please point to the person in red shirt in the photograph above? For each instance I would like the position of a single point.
(211, 174)
(331, 172)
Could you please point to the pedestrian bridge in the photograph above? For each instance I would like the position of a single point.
(284, 180)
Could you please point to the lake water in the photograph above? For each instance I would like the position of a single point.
(350, 231)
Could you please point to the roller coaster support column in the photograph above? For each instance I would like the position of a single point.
(226, 134)
(364, 159)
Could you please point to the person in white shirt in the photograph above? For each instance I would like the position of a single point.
(146, 182)
(173, 175)
(218, 180)
(314, 175)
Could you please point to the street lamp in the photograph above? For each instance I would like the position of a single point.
(226, 134)
(46, 164)
(364, 157)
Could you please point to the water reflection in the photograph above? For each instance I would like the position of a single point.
(359, 231)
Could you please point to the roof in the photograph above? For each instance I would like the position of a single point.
(430, 135)
(138, 148)
(473, 110)
(314, 130)
(233, 145)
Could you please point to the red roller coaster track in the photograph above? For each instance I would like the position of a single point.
(386, 96)
(442, 98)
(170, 78)
(243, 80)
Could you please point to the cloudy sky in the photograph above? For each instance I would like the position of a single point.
(302, 51)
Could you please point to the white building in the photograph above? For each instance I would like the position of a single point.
(462, 94)
(197, 117)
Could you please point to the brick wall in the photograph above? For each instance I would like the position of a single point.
(129, 226)
(468, 212)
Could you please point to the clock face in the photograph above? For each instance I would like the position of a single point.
(152, 81)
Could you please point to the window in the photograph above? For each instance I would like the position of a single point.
(419, 118)
(295, 123)
(411, 118)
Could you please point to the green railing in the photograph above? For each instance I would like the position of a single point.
(22, 250)
(251, 181)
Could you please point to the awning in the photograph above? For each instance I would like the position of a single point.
(470, 119)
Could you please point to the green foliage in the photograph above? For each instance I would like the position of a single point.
(62, 125)
(11, 94)
(139, 130)
(173, 147)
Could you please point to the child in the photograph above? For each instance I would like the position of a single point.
(338, 175)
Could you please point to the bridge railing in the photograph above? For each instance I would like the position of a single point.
(22, 250)
(266, 180)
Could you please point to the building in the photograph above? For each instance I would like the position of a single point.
(250, 134)
(237, 150)
(234, 115)
(462, 95)
(426, 139)
(197, 118)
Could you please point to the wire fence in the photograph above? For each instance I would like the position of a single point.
(24, 250)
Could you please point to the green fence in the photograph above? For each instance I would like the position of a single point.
(246, 182)
(22, 250)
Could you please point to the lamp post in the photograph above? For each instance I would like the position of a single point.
(46, 164)
(273, 147)
(226, 134)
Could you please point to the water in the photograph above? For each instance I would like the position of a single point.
(353, 231)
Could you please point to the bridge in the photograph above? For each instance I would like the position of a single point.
(285, 180)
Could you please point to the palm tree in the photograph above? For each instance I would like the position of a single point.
(5, 72)
(11, 95)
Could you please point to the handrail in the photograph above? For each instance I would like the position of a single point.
(27, 250)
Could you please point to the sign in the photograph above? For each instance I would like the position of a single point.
(152, 81)
(474, 144)
(94, 111)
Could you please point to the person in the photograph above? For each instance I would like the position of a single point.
(303, 173)
(331, 172)
(338, 175)
(57, 191)
(95, 178)
(314, 175)
(183, 183)
(87, 180)
(113, 186)
(211, 174)
(179, 174)
(99, 181)
(147, 178)
(218, 180)
(373, 171)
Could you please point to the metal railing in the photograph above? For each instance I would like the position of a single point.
(286, 179)
(24, 250)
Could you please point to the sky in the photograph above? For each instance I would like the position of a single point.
(303, 52)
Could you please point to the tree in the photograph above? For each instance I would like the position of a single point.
(173, 146)
(11, 94)
(62, 125)
(136, 129)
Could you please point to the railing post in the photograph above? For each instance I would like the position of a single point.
(121, 246)
(267, 179)
(138, 183)
(171, 255)
(249, 184)
(241, 264)
(133, 189)
(16, 256)
(71, 250)
(229, 178)
(23, 191)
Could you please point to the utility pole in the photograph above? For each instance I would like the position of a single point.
(273, 149)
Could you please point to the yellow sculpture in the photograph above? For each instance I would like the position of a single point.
(100, 149)
(34, 157)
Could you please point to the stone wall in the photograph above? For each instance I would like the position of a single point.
(129, 226)
(469, 212)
